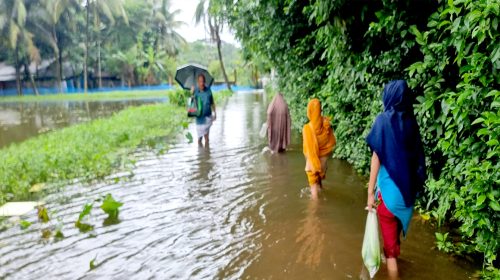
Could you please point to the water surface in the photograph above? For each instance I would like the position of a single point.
(23, 120)
(223, 212)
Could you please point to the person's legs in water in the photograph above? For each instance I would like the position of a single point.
(391, 229)
(314, 183)
(207, 140)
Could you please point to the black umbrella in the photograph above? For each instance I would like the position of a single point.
(187, 75)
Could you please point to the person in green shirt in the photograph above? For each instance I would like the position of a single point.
(208, 114)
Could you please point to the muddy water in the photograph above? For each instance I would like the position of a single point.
(20, 121)
(223, 212)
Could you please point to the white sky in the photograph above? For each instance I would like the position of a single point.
(190, 31)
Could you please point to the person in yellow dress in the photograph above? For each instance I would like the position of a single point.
(318, 144)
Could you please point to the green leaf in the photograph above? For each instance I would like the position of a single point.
(83, 227)
(24, 224)
(43, 216)
(189, 137)
(86, 211)
(480, 200)
(110, 206)
(92, 263)
(494, 205)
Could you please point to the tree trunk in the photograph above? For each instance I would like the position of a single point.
(219, 51)
(56, 59)
(99, 73)
(18, 73)
(27, 73)
(98, 39)
(86, 59)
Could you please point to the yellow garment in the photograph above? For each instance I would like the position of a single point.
(318, 141)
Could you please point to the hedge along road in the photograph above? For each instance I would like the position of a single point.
(223, 212)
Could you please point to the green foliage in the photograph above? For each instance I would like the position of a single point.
(343, 53)
(110, 206)
(115, 95)
(24, 224)
(87, 151)
(43, 215)
(189, 137)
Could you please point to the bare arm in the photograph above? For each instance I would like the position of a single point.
(374, 168)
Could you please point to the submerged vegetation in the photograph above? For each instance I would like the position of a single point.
(344, 52)
(85, 151)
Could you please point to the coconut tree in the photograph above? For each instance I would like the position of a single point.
(213, 19)
(108, 9)
(46, 18)
(164, 26)
(13, 15)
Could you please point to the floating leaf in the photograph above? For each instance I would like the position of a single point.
(83, 227)
(110, 206)
(92, 263)
(59, 234)
(46, 233)
(86, 211)
(189, 137)
(425, 216)
(24, 224)
(43, 216)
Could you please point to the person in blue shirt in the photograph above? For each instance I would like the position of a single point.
(397, 167)
(208, 114)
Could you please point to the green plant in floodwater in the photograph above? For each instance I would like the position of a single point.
(58, 235)
(110, 206)
(115, 95)
(24, 224)
(87, 151)
(443, 243)
(92, 263)
(43, 215)
(189, 137)
(84, 227)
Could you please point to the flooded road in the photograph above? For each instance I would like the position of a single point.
(223, 212)
(20, 121)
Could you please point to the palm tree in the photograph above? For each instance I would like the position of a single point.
(110, 9)
(13, 14)
(46, 19)
(214, 22)
(164, 25)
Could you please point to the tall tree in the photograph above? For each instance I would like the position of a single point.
(164, 26)
(110, 10)
(213, 18)
(46, 19)
(13, 15)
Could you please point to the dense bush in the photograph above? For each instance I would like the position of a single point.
(343, 52)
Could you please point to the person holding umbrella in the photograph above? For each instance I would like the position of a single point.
(189, 76)
(208, 114)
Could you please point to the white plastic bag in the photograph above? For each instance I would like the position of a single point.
(263, 130)
(371, 244)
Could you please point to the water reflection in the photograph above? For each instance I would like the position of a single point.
(20, 121)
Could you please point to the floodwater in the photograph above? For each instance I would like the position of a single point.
(20, 121)
(223, 212)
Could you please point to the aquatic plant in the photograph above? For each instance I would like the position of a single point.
(86, 151)
(110, 206)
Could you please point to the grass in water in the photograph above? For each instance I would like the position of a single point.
(139, 94)
(88, 151)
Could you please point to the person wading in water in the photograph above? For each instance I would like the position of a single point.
(318, 144)
(208, 114)
(397, 167)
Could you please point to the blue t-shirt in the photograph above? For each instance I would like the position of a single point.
(207, 100)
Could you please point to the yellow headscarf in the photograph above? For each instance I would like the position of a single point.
(318, 138)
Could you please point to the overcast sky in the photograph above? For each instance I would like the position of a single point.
(190, 31)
